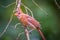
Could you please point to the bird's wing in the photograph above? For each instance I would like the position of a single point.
(33, 21)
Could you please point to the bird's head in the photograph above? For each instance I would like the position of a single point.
(17, 13)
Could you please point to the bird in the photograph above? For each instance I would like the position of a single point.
(26, 20)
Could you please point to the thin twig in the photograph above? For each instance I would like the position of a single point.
(28, 9)
(16, 4)
(6, 26)
(57, 4)
(39, 7)
(16, 25)
(8, 5)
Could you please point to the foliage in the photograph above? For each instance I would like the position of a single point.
(47, 13)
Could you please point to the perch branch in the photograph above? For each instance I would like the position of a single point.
(23, 33)
(27, 34)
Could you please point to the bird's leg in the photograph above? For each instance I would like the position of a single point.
(31, 31)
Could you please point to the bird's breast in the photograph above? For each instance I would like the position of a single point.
(23, 20)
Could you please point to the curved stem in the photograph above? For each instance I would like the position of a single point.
(8, 5)
(57, 4)
(23, 33)
(39, 7)
(28, 9)
(6, 26)
(16, 25)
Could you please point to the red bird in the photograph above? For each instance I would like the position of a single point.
(26, 20)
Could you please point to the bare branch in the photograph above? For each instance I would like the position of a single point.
(23, 33)
(27, 34)
(18, 3)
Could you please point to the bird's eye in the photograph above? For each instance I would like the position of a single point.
(18, 13)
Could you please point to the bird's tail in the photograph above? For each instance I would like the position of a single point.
(40, 32)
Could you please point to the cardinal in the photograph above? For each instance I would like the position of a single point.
(26, 20)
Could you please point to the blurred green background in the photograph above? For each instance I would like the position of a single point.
(50, 22)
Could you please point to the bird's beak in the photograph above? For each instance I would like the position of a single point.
(16, 14)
